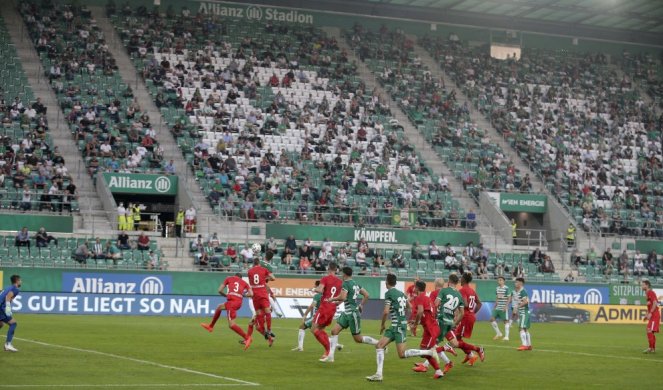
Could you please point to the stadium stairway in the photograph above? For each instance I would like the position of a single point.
(495, 137)
(92, 218)
(431, 158)
(171, 151)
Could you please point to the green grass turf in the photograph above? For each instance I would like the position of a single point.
(564, 356)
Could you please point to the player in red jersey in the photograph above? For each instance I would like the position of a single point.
(426, 317)
(653, 315)
(411, 293)
(464, 329)
(330, 287)
(258, 278)
(237, 289)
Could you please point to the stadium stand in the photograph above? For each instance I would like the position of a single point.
(277, 126)
(105, 119)
(33, 174)
(432, 107)
(584, 129)
(41, 249)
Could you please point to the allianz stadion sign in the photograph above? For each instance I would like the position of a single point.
(254, 12)
(127, 183)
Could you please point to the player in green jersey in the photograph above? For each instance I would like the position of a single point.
(351, 316)
(307, 319)
(451, 308)
(395, 305)
(501, 309)
(523, 315)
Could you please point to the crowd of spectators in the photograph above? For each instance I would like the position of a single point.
(580, 124)
(626, 265)
(350, 162)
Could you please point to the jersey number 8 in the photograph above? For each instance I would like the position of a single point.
(256, 279)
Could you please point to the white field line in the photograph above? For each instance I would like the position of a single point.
(579, 353)
(141, 361)
(118, 385)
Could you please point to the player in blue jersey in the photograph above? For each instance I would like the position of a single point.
(6, 298)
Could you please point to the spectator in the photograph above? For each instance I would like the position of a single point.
(271, 246)
(471, 220)
(434, 251)
(112, 252)
(98, 250)
(639, 267)
(652, 268)
(42, 238)
(143, 243)
(152, 261)
(319, 266)
(397, 260)
(304, 265)
(22, 238)
(519, 271)
(417, 252)
(231, 252)
(607, 257)
(536, 257)
(123, 241)
(360, 259)
(290, 248)
(215, 243)
(482, 271)
(569, 278)
(548, 267)
(576, 259)
(247, 254)
(82, 253)
(190, 220)
(378, 260)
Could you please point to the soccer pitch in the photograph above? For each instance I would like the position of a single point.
(161, 352)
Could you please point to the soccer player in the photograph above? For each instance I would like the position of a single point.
(500, 311)
(330, 287)
(258, 278)
(307, 319)
(653, 316)
(426, 317)
(411, 293)
(351, 316)
(237, 289)
(395, 304)
(523, 315)
(464, 329)
(6, 315)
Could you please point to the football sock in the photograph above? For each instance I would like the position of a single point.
(300, 338)
(260, 322)
(239, 331)
(444, 357)
(249, 332)
(529, 339)
(650, 336)
(333, 341)
(507, 327)
(433, 362)
(523, 337)
(369, 340)
(323, 339)
(496, 328)
(426, 363)
(417, 352)
(10, 332)
(467, 348)
(379, 355)
(217, 314)
(268, 317)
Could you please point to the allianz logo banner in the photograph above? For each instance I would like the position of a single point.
(108, 283)
(590, 295)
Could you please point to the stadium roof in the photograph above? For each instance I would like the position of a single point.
(635, 21)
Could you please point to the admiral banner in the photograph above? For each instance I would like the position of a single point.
(614, 314)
